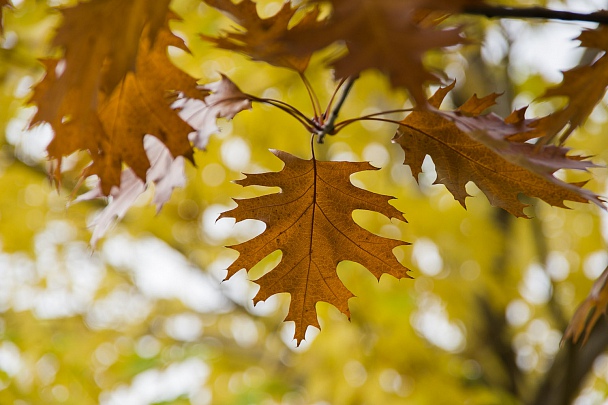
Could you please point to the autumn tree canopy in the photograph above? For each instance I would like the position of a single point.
(130, 117)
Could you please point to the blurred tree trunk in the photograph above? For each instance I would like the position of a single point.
(563, 381)
(573, 362)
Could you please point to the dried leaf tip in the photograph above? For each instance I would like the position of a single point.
(224, 101)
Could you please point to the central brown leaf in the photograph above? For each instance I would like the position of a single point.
(311, 222)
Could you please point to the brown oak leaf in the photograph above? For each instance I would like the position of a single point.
(224, 101)
(139, 106)
(259, 40)
(381, 34)
(589, 312)
(311, 222)
(466, 146)
(584, 86)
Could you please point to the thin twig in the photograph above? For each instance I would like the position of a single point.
(372, 117)
(341, 125)
(278, 103)
(328, 127)
(333, 97)
(600, 17)
(310, 125)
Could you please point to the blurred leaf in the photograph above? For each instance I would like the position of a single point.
(3, 4)
(225, 101)
(384, 34)
(588, 313)
(165, 173)
(584, 86)
(86, 107)
(259, 40)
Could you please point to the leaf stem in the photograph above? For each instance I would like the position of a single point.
(316, 106)
(600, 17)
(310, 125)
(312, 146)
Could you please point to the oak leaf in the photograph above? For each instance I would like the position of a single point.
(311, 222)
(381, 34)
(466, 146)
(590, 310)
(584, 86)
(259, 40)
(224, 101)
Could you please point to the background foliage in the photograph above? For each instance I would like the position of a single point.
(145, 319)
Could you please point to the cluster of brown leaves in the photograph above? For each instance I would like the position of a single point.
(105, 98)
(261, 39)
(389, 25)
(113, 102)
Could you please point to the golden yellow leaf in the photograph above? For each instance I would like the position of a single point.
(311, 222)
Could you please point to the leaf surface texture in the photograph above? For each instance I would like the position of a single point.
(311, 222)
(466, 146)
